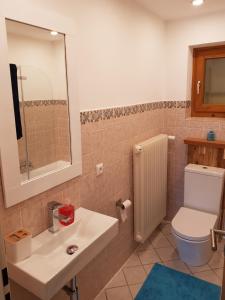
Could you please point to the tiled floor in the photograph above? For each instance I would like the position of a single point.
(159, 248)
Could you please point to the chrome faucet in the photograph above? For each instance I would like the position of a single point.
(54, 216)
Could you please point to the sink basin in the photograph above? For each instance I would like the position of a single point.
(49, 267)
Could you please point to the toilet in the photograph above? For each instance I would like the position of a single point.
(203, 189)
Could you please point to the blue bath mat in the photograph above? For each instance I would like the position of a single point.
(167, 284)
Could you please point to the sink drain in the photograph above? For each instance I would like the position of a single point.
(72, 249)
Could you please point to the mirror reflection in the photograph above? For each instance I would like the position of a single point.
(37, 62)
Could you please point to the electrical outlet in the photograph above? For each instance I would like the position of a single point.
(99, 169)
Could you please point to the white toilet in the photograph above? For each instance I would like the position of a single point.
(203, 189)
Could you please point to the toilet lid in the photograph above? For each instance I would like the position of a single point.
(192, 224)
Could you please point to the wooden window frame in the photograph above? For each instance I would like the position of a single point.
(198, 107)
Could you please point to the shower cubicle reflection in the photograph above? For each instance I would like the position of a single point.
(44, 145)
(39, 85)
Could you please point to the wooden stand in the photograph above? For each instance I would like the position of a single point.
(205, 152)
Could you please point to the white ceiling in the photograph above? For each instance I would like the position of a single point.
(177, 9)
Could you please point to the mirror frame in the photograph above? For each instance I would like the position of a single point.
(16, 191)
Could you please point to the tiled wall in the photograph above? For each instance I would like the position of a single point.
(108, 136)
(47, 132)
(179, 123)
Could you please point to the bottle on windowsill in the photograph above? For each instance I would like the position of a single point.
(211, 136)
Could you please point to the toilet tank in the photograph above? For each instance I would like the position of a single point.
(203, 188)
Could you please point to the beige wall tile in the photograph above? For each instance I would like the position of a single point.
(110, 141)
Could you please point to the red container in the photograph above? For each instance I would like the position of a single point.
(67, 211)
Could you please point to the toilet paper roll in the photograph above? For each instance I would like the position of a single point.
(123, 211)
(127, 203)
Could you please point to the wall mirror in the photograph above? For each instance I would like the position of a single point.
(40, 144)
(37, 62)
(208, 88)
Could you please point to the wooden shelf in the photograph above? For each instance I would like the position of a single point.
(202, 142)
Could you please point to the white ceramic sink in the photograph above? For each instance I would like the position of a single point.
(50, 267)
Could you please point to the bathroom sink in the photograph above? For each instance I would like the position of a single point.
(50, 267)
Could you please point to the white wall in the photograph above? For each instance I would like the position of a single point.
(59, 70)
(43, 63)
(180, 36)
(120, 50)
(125, 55)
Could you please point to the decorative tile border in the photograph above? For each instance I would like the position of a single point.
(31, 103)
(112, 113)
(117, 112)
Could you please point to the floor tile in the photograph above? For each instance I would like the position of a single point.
(135, 275)
(177, 265)
(135, 289)
(160, 248)
(171, 239)
(148, 268)
(133, 260)
(166, 229)
(117, 280)
(220, 246)
(167, 254)
(217, 261)
(148, 257)
(219, 273)
(146, 246)
(209, 276)
(101, 296)
(158, 240)
(199, 269)
(119, 293)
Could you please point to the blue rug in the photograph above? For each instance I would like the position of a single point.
(167, 284)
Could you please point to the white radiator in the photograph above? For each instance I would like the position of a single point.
(150, 185)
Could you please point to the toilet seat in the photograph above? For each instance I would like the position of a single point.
(193, 225)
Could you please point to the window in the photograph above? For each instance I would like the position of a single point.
(208, 82)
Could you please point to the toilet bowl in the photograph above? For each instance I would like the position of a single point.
(191, 230)
(203, 188)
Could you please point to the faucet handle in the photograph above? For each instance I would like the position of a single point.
(52, 205)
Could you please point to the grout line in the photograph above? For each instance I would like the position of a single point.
(136, 252)
(121, 269)
(134, 266)
(219, 279)
(127, 283)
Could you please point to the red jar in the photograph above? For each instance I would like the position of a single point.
(67, 211)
